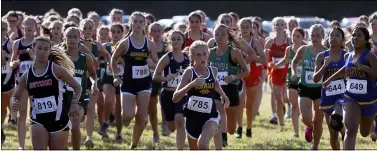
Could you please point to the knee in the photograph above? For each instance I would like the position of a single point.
(352, 131)
(202, 145)
(179, 123)
(365, 133)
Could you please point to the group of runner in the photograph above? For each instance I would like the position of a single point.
(74, 69)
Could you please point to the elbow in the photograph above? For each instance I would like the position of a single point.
(316, 78)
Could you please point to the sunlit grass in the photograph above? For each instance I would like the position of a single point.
(265, 136)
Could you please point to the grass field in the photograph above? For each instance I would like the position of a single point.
(265, 136)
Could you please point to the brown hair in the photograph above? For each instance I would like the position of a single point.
(57, 56)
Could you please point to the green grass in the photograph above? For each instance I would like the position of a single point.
(265, 136)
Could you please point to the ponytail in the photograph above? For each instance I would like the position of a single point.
(60, 58)
(129, 33)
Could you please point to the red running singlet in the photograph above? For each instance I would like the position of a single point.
(276, 53)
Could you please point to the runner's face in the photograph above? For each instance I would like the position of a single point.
(182, 28)
(29, 26)
(56, 30)
(316, 35)
(254, 28)
(116, 33)
(138, 23)
(176, 40)
(12, 21)
(373, 24)
(104, 35)
(226, 21)
(194, 22)
(95, 20)
(358, 39)
(335, 38)
(292, 25)
(156, 31)
(73, 38)
(221, 35)
(42, 50)
(88, 30)
(245, 28)
(200, 56)
(297, 37)
(116, 18)
(280, 26)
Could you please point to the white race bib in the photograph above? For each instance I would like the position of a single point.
(336, 87)
(277, 60)
(248, 66)
(357, 86)
(24, 66)
(5, 69)
(174, 83)
(309, 78)
(259, 64)
(120, 70)
(220, 77)
(200, 104)
(45, 105)
(78, 80)
(299, 71)
(139, 72)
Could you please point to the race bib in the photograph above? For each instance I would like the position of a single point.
(5, 69)
(309, 78)
(248, 66)
(139, 72)
(259, 64)
(44, 105)
(220, 77)
(200, 104)
(357, 86)
(277, 60)
(24, 66)
(336, 87)
(174, 83)
(299, 71)
(78, 80)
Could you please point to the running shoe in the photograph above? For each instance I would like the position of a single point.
(103, 129)
(239, 132)
(309, 134)
(89, 143)
(12, 123)
(249, 133)
(274, 121)
(156, 138)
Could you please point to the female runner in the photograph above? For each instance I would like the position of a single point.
(49, 112)
(327, 64)
(200, 86)
(298, 35)
(360, 72)
(22, 59)
(194, 32)
(309, 90)
(172, 65)
(7, 75)
(136, 79)
(275, 52)
(105, 109)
